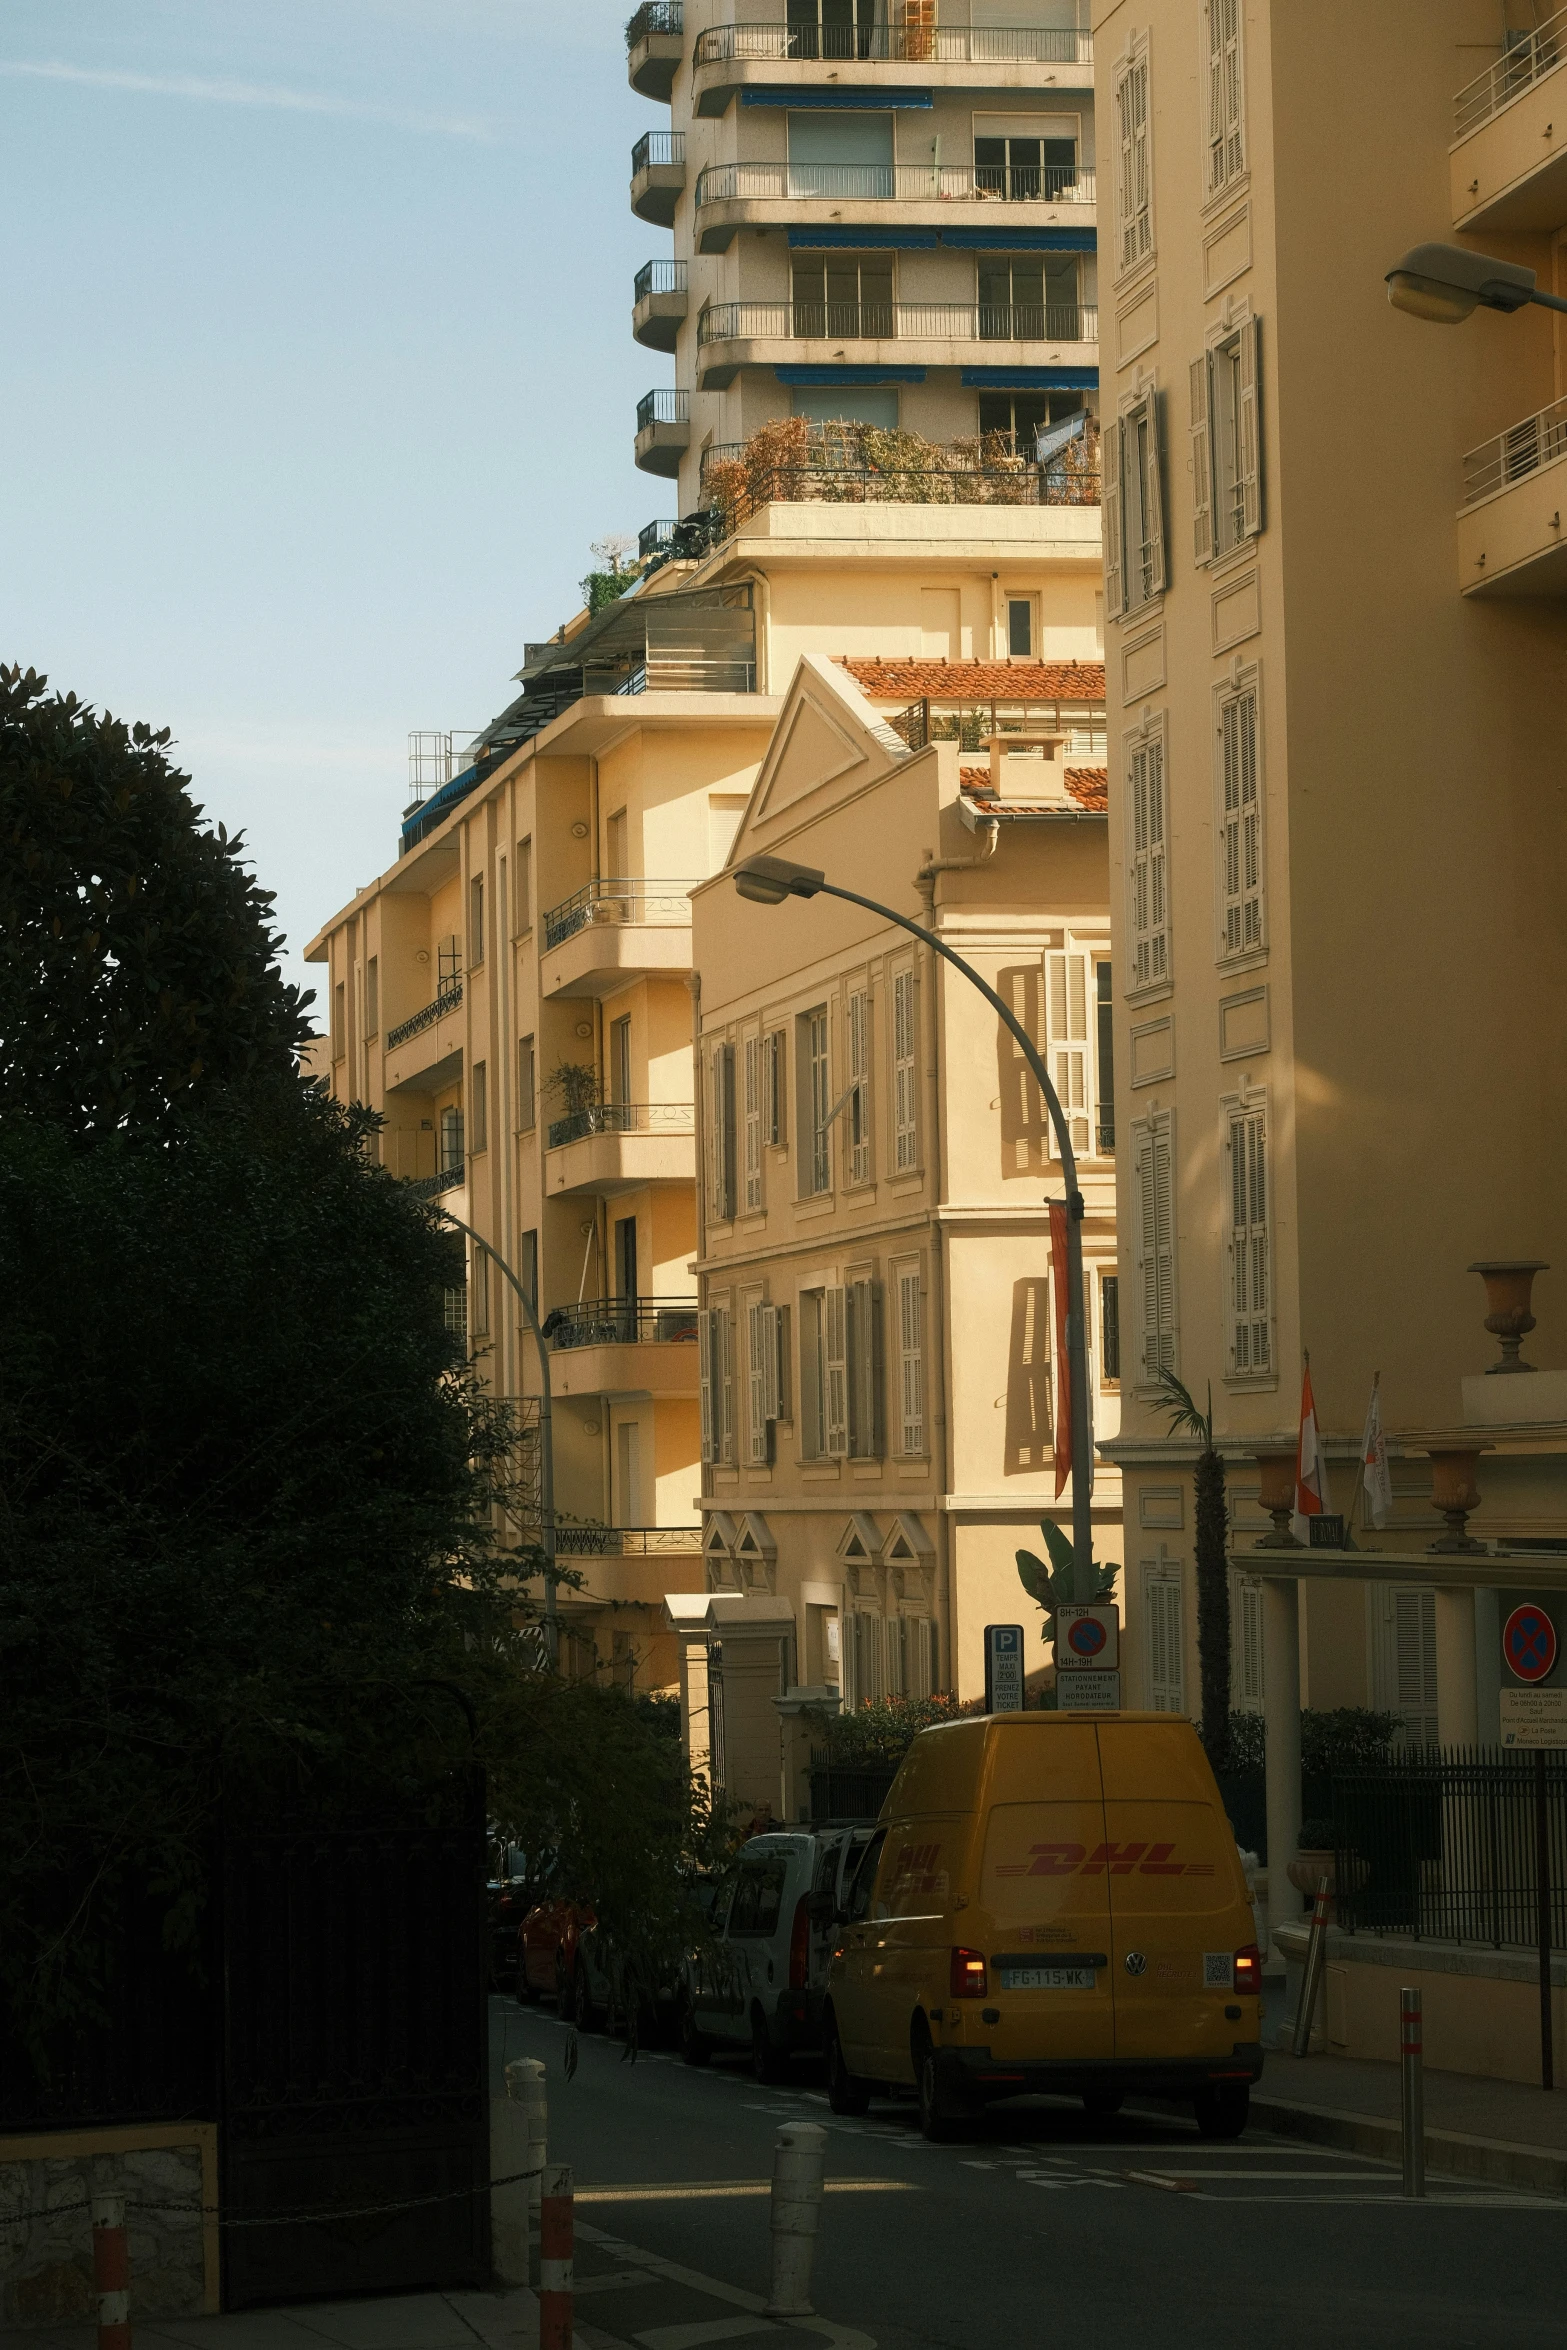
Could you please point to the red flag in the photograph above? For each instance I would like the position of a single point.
(1311, 1470)
(1063, 1380)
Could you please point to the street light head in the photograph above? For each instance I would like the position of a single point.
(1445, 284)
(769, 880)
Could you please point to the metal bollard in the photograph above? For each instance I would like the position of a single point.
(1412, 2053)
(111, 2263)
(799, 2152)
(556, 2244)
(525, 2086)
(1311, 1979)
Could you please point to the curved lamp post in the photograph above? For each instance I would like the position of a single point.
(546, 1439)
(768, 881)
(1446, 284)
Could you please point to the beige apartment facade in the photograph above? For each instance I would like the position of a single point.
(1335, 691)
(878, 1367)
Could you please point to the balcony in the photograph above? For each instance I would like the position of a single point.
(658, 173)
(658, 304)
(1508, 163)
(732, 335)
(624, 1542)
(663, 432)
(611, 1147)
(732, 196)
(613, 932)
(426, 1050)
(449, 1178)
(850, 464)
(624, 1346)
(654, 47)
(991, 57)
(1510, 525)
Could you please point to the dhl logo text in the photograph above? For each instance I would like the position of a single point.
(1107, 1860)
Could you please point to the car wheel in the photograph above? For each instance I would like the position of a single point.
(1224, 2111)
(769, 2064)
(695, 2046)
(938, 2122)
(584, 2014)
(846, 2093)
(1102, 2105)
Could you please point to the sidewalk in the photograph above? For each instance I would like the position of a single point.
(1498, 2131)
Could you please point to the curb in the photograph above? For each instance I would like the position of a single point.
(1491, 2160)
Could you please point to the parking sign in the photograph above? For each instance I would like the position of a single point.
(1003, 1668)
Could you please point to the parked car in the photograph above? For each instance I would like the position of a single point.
(547, 1945)
(760, 1982)
(508, 1897)
(607, 1986)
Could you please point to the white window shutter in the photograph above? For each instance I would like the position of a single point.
(758, 1418)
(1153, 498)
(859, 1109)
(1202, 464)
(723, 1385)
(905, 1076)
(1248, 430)
(864, 1362)
(1133, 190)
(835, 1319)
(925, 1656)
(1153, 1179)
(911, 1361)
(1250, 1271)
(704, 1358)
(1066, 1000)
(1110, 518)
(1164, 1244)
(754, 1073)
(1414, 1653)
(1162, 1619)
(780, 1375)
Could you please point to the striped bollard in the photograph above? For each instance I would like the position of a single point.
(555, 2258)
(1412, 2056)
(111, 2264)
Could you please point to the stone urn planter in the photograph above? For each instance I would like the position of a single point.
(1508, 1283)
(1307, 1870)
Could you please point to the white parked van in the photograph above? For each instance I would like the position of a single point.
(759, 1983)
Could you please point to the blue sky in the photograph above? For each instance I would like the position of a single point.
(318, 380)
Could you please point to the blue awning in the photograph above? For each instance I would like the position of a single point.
(1029, 379)
(850, 375)
(875, 240)
(878, 101)
(1020, 240)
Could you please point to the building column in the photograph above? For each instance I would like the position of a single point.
(1281, 1723)
(1457, 1717)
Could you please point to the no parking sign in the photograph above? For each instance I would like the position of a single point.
(1088, 1639)
(1529, 1643)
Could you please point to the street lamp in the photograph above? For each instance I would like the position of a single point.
(546, 1439)
(1445, 284)
(767, 881)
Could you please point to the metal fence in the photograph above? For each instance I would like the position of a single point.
(657, 150)
(623, 899)
(447, 998)
(959, 322)
(1526, 58)
(663, 407)
(1448, 1845)
(625, 1321)
(848, 1792)
(658, 277)
(900, 44)
(1511, 455)
(628, 1541)
(655, 16)
(885, 183)
(622, 1118)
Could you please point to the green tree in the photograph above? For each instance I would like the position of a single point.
(1213, 1573)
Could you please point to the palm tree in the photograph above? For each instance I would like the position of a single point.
(1213, 1578)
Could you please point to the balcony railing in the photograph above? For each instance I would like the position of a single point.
(625, 1321)
(447, 998)
(655, 16)
(656, 538)
(589, 1542)
(1512, 455)
(658, 277)
(971, 724)
(911, 183)
(850, 464)
(780, 44)
(617, 901)
(448, 1179)
(656, 150)
(1528, 58)
(956, 322)
(663, 407)
(622, 1118)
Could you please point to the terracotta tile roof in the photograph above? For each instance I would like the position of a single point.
(981, 681)
(1089, 786)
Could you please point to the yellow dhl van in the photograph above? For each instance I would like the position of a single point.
(1052, 1902)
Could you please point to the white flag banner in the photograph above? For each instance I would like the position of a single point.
(1373, 1454)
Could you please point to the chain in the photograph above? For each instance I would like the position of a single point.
(278, 2219)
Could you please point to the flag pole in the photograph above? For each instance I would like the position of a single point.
(1360, 1481)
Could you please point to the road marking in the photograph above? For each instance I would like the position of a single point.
(711, 2190)
(838, 2337)
(1150, 2178)
(1336, 2178)
(713, 2329)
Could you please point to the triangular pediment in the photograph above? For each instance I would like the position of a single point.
(829, 740)
(861, 1539)
(718, 1538)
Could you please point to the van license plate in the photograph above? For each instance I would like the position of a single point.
(1047, 1978)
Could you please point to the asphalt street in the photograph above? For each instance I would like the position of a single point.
(1043, 2224)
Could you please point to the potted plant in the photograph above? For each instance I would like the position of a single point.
(1314, 1861)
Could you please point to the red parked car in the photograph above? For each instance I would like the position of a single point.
(547, 1947)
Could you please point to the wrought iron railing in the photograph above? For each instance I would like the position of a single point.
(912, 485)
(625, 1321)
(447, 998)
(899, 44)
(659, 277)
(444, 1179)
(1527, 59)
(663, 407)
(621, 1118)
(914, 183)
(1104, 1133)
(958, 322)
(1445, 1844)
(1511, 455)
(970, 724)
(657, 150)
(627, 1541)
(662, 902)
(656, 538)
(655, 16)
(848, 1791)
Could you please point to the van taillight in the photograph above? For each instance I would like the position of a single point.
(1248, 1970)
(968, 1975)
(800, 1944)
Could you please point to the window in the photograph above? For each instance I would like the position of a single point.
(1246, 1669)
(1250, 1283)
(830, 28)
(840, 1372)
(615, 867)
(721, 1133)
(1162, 1621)
(835, 1373)
(862, 1300)
(455, 1314)
(716, 1380)
(773, 1078)
(1241, 927)
(815, 1080)
(1226, 96)
(1148, 919)
(813, 1375)
(905, 1082)
(1025, 165)
(524, 883)
(1066, 1008)
(1110, 1329)
(449, 955)
(1022, 416)
(835, 155)
(754, 1115)
(478, 1108)
(451, 1141)
(527, 1086)
(911, 1362)
(1226, 448)
(1134, 175)
(529, 1269)
(1020, 627)
(476, 920)
(479, 1291)
(339, 1020)
(373, 996)
(1029, 299)
(620, 1061)
(1105, 1014)
(843, 294)
(758, 1897)
(1153, 1146)
(868, 1651)
(860, 1080)
(762, 1380)
(1133, 514)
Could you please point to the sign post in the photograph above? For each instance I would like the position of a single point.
(1003, 1668)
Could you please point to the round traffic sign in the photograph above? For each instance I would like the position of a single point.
(1529, 1643)
(1086, 1636)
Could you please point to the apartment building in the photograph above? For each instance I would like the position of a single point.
(878, 1375)
(880, 213)
(1334, 644)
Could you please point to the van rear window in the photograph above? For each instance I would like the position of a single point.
(758, 1897)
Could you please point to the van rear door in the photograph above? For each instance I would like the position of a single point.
(1045, 1923)
(1177, 1896)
